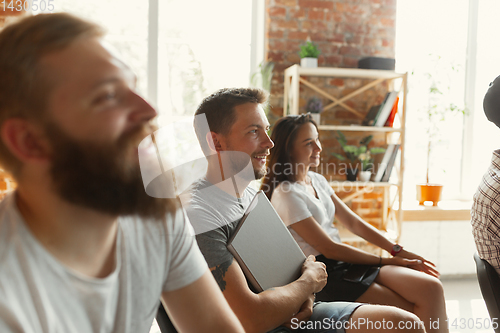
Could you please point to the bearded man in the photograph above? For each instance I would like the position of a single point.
(83, 248)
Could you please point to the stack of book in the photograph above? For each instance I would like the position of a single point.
(383, 114)
(385, 167)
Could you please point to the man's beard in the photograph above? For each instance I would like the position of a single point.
(102, 177)
(259, 173)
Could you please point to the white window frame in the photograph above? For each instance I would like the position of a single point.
(469, 95)
(153, 27)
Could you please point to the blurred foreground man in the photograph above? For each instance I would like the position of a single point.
(485, 212)
(83, 248)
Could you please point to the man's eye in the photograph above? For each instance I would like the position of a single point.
(253, 131)
(105, 97)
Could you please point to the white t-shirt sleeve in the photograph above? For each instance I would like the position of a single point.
(290, 203)
(185, 262)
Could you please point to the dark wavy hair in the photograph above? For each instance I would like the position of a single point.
(283, 135)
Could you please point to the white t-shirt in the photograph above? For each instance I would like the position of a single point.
(294, 203)
(40, 294)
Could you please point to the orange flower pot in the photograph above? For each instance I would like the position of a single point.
(429, 192)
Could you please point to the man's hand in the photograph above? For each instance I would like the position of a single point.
(425, 266)
(304, 313)
(315, 273)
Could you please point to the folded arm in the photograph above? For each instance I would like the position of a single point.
(273, 307)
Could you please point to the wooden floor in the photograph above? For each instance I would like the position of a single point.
(465, 306)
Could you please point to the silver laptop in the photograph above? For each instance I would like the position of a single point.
(264, 248)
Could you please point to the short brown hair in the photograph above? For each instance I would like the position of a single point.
(219, 110)
(23, 88)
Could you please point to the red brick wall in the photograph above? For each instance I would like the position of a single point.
(344, 30)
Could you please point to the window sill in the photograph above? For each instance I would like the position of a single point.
(447, 210)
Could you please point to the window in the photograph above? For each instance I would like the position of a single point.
(485, 136)
(201, 46)
(206, 49)
(446, 28)
(126, 25)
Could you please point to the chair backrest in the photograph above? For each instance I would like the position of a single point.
(489, 282)
(164, 322)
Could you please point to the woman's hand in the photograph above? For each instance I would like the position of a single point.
(425, 266)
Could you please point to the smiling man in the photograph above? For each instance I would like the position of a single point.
(236, 145)
(83, 248)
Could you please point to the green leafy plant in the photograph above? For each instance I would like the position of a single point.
(309, 50)
(440, 105)
(359, 153)
(366, 158)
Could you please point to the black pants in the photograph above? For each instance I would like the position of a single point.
(346, 282)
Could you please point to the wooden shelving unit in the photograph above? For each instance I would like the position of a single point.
(392, 201)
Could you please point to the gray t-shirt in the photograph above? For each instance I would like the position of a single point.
(214, 215)
(40, 294)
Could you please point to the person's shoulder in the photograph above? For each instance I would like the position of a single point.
(489, 187)
(251, 191)
(494, 171)
(287, 189)
(201, 194)
(153, 230)
(320, 180)
(317, 176)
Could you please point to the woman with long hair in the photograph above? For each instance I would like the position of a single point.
(307, 205)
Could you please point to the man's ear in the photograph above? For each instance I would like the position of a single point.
(25, 140)
(214, 141)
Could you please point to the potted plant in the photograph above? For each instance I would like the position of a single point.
(438, 109)
(359, 153)
(314, 106)
(366, 160)
(309, 54)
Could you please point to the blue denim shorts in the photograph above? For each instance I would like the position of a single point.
(327, 317)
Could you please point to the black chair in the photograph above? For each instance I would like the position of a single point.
(163, 321)
(489, 282)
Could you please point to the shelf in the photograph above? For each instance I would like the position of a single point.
(451, 210)
(360, 184)
(358, 128)
(346, 72)
(388, 215)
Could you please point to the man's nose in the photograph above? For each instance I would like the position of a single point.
(268, 143)
(143, 111)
